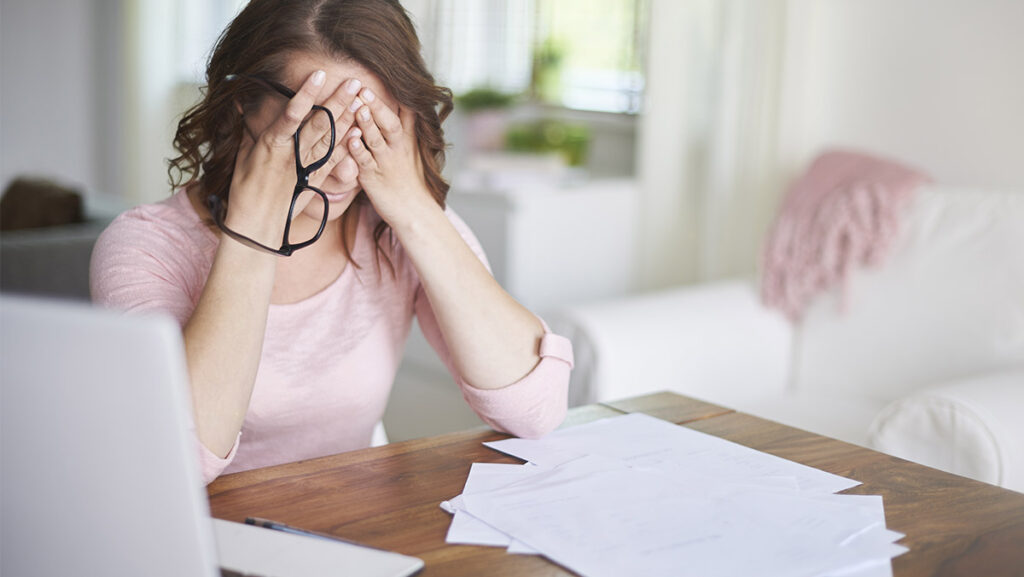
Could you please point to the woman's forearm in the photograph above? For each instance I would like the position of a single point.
(493, 340)
(224, 340)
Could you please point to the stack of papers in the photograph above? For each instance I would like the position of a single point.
(638, 495)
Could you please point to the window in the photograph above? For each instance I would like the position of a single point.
(594, 46)
(580, 54)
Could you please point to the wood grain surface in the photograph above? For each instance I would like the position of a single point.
(389, 496)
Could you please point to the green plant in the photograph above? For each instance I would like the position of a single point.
(484, 98)
(546, 74)
(570, 140)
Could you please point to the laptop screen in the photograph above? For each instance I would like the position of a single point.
(99, 469)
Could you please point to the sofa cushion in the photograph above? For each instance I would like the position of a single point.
(970, 427)
(947, 303)
(843, 417)
(49, 261)
(714, 342)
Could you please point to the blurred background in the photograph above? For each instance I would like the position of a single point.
(708, 106)
(599, 148)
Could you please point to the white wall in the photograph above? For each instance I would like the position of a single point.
(48, 104)
(938, 83)
(91, 94)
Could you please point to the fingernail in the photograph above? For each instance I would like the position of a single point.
(368, 95)
(355, 143)
(355, 133)
(355, 105)
(353, 86)
(318, 77)
(365, 114)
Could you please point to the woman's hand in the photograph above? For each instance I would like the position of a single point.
(492, 339)
(390, 169)
(265, 177)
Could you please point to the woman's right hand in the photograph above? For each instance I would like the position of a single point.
(264, 175)
(224, 335)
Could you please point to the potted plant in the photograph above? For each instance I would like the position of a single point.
(485, 116)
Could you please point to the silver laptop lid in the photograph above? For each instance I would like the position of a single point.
(99, 472)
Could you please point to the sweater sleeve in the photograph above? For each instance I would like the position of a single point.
(143, 265)
(532, 406)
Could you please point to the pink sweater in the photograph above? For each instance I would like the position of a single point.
(328, 362)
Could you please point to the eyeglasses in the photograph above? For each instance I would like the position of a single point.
(316, 118)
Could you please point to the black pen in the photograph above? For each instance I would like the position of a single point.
(268, 524)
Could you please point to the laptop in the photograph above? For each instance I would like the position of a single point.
(99, 474)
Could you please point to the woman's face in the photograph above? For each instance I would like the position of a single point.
(341, 185)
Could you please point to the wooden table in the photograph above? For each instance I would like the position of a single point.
(388, 496)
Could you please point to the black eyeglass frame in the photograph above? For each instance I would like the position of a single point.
(301, 185)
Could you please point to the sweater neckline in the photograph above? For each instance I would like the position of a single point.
(314, 299)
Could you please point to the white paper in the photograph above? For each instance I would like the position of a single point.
(520, 548)
(468, 530)
(646, 442)
(636, 495)
(579, 515)
(600, 519)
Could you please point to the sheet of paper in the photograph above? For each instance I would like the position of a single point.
(468, 530)
(869, 568)
(520, 548)
(597, 517)
(834, 519)
(643, 441)
(637, 495)
(570, 515)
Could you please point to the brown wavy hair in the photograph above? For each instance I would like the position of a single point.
(377, 34)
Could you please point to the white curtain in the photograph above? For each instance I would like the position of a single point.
(741, 180)
(708, 158)
(480, 43)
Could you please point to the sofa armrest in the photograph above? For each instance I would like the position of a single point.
(970, 427)
(49, 261)
(715, 342)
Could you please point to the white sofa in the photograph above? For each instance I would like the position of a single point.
(53, 261)
(923, 358)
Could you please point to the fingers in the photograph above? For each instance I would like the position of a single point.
(282, 129)
(338, 103)
(387, 122)
(342, 107)
(341, 164)
(343, 153)
(316, 133)
(384, 132)
(371, 132)
(322, 147)
(361, 155)
(315, 142)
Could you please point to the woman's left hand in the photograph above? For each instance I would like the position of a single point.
(493, 340)
(390, 170)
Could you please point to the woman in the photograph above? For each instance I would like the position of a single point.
(293, 357)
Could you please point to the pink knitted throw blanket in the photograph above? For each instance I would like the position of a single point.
(845, 211)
